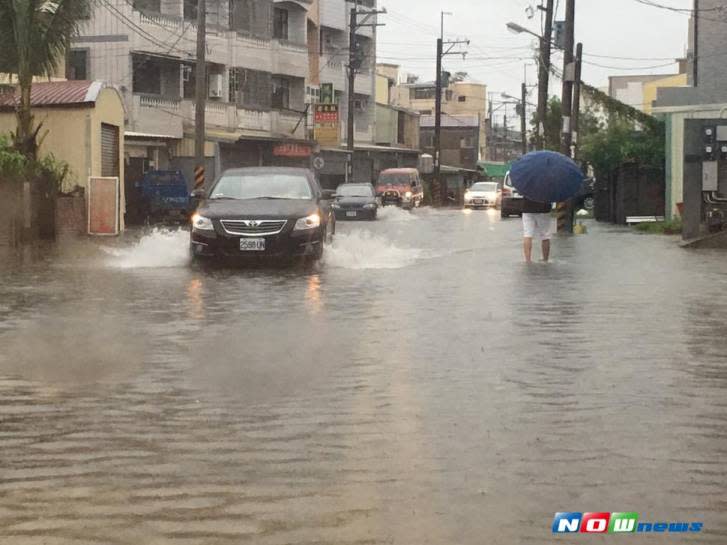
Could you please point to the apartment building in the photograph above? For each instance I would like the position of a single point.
(265, 62)
(460, 98)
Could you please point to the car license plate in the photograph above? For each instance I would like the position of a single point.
(252, 244)
(351, 214)
(479, 201)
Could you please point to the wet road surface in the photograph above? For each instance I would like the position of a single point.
(421, 386)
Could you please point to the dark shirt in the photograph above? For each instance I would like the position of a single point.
(533, 207)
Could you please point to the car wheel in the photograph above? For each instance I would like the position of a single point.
(504, 214)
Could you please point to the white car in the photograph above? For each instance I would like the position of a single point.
(481, 194)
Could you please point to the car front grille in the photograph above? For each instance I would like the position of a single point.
(253, 228)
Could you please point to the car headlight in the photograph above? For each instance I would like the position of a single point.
(309, 222)
(336, 205)
(370, 205)
(200, 223)
(407, 195)
(467, 195)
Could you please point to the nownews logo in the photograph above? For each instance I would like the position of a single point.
(617, 523)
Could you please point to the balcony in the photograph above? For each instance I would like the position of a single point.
(333, 14)
(333, 70)
(285, 123)
(364, 84)
(290, 59)
(254, 120)
(154, 114)
(219, 114)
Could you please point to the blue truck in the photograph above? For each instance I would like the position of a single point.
(163, 196)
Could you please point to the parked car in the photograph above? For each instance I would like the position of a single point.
(269, 212)
(481, 195)
(163, 195)
(511, 202)
(400, 187)
(355, 201)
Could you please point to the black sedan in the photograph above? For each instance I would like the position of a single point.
(355, 202)
(262, 212)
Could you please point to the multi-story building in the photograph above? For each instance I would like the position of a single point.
(265, 62)
(705, 97)
(460, 98)
(460, 136)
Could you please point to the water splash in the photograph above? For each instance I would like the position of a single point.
(363, 250)
(396, 214)
(158, 249)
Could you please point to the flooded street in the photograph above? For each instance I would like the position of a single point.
(419, 386)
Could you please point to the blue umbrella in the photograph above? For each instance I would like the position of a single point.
(546, 176)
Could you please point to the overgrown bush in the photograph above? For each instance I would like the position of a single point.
(15, 167)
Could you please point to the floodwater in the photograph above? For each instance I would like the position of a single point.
(420, 386)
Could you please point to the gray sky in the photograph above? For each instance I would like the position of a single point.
(648, 36)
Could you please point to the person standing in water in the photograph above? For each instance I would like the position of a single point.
(538, 224)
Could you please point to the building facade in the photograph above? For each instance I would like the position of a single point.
(266, 60)
(705, 97)
(459, 99)
(459, 140)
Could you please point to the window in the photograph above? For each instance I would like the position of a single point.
(250, 88)
(424, 93)
(241, 15)
(280, 24)
(77, 64)
(281, 94)
(462, 98)
(466, 142)
(147, 76)
(448, 95)
(190, 10)
(147, 6)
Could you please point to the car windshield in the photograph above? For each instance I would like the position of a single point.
(351, 190)
(392, 178)
(262, 186)
(487, 186)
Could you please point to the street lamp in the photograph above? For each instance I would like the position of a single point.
(517, 29)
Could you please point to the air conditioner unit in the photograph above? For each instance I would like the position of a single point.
(215, 90)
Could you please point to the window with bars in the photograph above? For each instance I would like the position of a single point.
(281, 93)
(280, 24)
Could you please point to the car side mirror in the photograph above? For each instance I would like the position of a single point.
(197, 194)
(328, 194)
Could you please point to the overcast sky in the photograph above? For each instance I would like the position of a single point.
(649, 37)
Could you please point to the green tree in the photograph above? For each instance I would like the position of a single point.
(588, 122)
(34, 35)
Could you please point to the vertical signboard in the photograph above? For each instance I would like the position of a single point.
(327, 125)
(103, 206)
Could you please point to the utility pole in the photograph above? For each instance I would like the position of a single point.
(695, 48)
(355, 60)
(353, 65)
(544, 74)
(577, 98)
(439, 187)
(565, 210)
(200, 91)
(568, 76)
(523, 116)
(441, 53)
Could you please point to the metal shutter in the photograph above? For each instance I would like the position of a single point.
(109, 150)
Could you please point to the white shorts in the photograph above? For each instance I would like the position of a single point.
(538, 226)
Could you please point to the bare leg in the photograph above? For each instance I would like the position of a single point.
(546, 250)
(528, 249)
